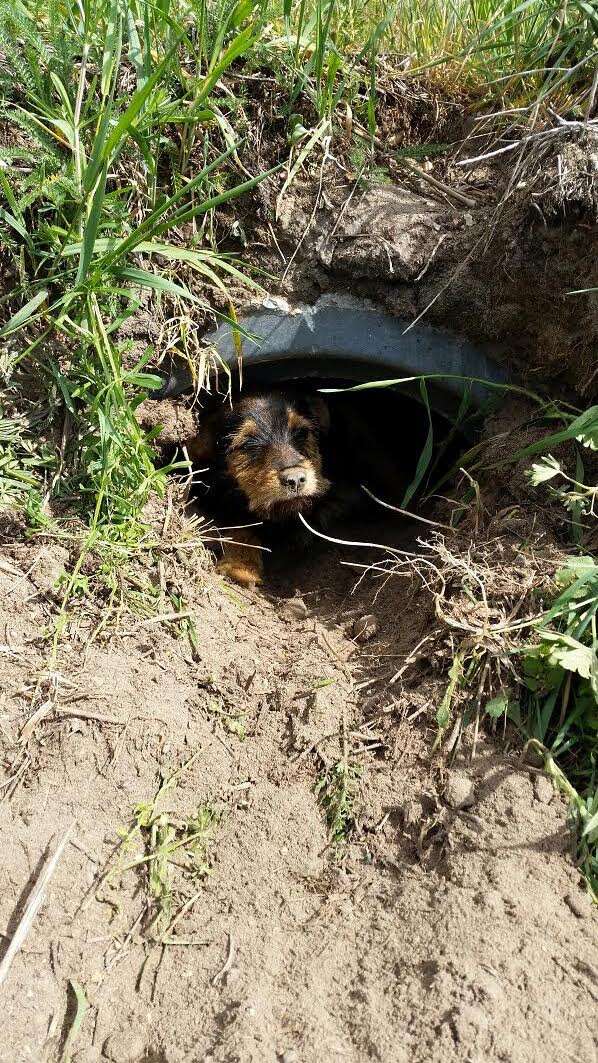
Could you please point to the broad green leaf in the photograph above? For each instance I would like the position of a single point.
(575, 568)
(443, 713)
(590, 826)
(147, 381)
(91, 227)
(497, 706)
(135, 49)
(585, 426)
(64, 96)
(112, 47)
(80, 1012)
(426, 453)
(570, 654)
(16, 225)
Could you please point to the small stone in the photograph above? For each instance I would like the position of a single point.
(124, 1047)
(87, 1055)
(289, 1057)
(543, 789)
(580, 904)
(468, 1023)
(364, 628)
(490, 899)
(319, 704)
(294, 609)
(459, 791)
(488, 986)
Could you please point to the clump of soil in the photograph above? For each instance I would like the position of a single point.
(494, 255)
(451, 924)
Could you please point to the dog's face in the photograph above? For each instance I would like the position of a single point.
(269, 447)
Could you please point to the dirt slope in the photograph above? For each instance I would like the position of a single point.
(440, 933)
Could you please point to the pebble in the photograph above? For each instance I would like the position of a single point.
(124, 1047)
(364, 628)
(319, 703)
(580, 904)
(543, 789)
(468, 1022)
(492, 900)
(294, 609)
(412, 813)
(87, 1055)
(459, 791)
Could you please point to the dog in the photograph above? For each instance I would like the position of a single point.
(265, 461)
(275, 454)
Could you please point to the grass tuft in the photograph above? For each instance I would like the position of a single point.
(337, 788)
(170, 845)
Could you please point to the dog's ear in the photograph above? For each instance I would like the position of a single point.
(202, 448)
(318, 412)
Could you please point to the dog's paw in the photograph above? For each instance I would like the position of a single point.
(246, 575)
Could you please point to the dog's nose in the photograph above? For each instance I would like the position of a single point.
(294, 479)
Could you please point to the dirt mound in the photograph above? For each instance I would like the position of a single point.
(450, 927)
(493, 252)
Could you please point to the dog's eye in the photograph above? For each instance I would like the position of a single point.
(300, 437)
(249, 445)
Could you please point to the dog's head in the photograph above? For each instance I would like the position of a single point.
(268, 445)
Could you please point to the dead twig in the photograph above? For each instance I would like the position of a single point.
(33, 905)
(228, 962)
(544, 133)
(440, 186)
(406, 512)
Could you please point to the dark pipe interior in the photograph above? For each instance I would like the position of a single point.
(379, 436)
(376, 439)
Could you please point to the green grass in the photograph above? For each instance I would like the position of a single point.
(121, 132)
(553, 657)
(175, 853)
(336, 788)
(517, 52)
(121, 137)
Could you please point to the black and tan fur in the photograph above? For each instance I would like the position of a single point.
(266, 464)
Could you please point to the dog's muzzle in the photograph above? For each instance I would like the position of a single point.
(294, 479)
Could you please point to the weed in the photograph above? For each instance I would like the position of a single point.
(169, 843)
(122, 142)
(81, 1006)
(337, 788)
(233, 722)
(86, 218)
(550, 657)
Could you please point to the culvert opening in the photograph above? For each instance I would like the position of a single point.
(396, 439)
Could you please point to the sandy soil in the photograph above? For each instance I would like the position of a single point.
(451, 927)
